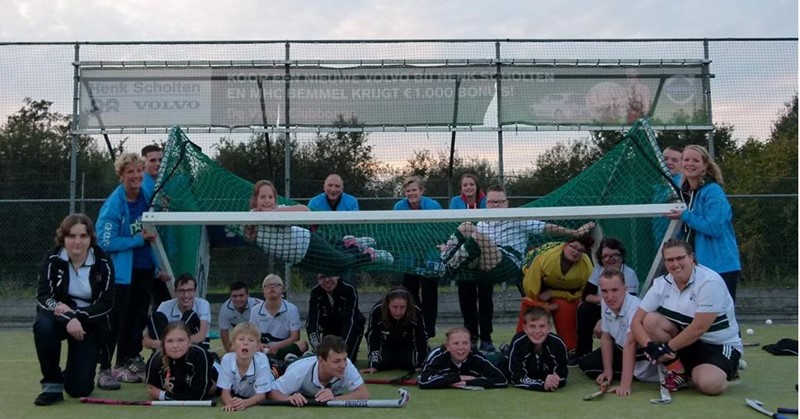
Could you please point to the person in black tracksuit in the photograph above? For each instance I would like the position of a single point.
(180, 374)
(333, 310)
(537, 359)
(75, 295)
(456, 365)
(396, 337)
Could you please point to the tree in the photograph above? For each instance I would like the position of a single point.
(766, 231)
(348, 154)
(35, 147)
(435, 170)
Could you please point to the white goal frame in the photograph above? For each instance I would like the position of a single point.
(152, 219)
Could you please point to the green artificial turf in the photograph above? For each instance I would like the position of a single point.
(771, 379)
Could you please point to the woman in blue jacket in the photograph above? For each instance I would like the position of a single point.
(120, 234)
(424, 288)
(708, 218)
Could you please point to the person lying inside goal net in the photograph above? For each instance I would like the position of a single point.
(301, 247)
(498, 247)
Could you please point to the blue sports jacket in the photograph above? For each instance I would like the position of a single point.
(425, 203)
(114, 234)
(320, 203)
(711, 218)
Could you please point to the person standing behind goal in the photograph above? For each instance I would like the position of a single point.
(424, 288)
(708, 217)
(121, 236)
(493, 251)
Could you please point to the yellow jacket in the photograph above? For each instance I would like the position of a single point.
(546, 270)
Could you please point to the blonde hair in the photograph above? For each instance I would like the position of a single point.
(413, 179)
(246, 328)
(712, 168)
(270, 279)
(126, 159)
(454, 330)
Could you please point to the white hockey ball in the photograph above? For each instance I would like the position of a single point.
(768, 321)
(750, 331)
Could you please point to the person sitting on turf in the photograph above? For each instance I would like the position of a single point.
(396, 336)
(301, 247)
(555, 280)
(194, 311)
(687, 320)
(495, 249)
(610, 254)
(537, 359)
(454, 364)
(328, 376)
(617, 357)
(75, 293)
(179, 370)
(245, 376)
(235, 310)
(279, 322)
(333, 310)
(333, 197)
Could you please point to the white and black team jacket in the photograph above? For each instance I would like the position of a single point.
(440, 371)
(528, 369)
(396, 344)
(186, 378)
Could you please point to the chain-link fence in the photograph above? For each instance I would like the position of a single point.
(749, 85)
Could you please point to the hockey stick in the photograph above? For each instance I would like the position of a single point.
(406, 379)
(666, 397)
(757, 405)
(404, 396)
(115, 402)
(599, 393)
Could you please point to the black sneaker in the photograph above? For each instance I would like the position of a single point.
(47, 398)
(487, 346)
(505, 349)
(573, 359)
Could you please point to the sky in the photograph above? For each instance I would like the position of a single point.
(152, 20)
(182, 20)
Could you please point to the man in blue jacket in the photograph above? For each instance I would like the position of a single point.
(333, 198)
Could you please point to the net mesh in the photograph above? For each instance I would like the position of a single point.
(190, 181)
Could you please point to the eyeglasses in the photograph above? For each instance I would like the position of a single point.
(497, 202)
(615, 257)
(576, 248)
(675, 259)
(185, 290)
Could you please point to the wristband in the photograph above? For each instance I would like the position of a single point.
(162, 395)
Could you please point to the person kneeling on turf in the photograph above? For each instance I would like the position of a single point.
(455, 365)
(328, 376)
(617, 356)
(687, 317)
(537, 359)
(396, 336)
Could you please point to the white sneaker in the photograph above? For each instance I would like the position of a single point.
(382, 257)
(361, 242)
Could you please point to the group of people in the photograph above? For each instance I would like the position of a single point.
(96, 287)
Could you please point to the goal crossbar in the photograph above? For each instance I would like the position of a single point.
(150, 219)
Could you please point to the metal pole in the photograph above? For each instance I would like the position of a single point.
(453, 141)
(500, 170)
(707, 98)
(287, 171)
(73, 158)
